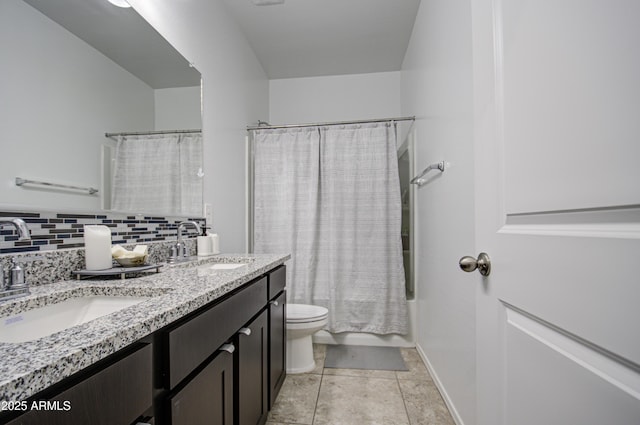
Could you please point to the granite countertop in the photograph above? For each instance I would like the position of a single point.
(32, 366)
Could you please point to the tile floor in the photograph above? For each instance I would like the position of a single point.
(360, 397)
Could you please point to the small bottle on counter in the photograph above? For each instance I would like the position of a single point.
(215, 243)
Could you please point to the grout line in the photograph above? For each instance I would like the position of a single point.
(315, 408)
(404, 401)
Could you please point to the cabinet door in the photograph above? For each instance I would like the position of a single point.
(253, 385)
(117, 394)
(208, 397)
(277, 346)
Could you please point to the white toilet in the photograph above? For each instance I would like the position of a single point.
(303, 321)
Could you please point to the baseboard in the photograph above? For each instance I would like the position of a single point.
(443, 392)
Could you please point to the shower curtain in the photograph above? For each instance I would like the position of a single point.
(331, 196)
(159, 172)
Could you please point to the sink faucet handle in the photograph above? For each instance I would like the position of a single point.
(181, 249)
(17, 275)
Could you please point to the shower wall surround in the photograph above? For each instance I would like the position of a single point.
(58, 244)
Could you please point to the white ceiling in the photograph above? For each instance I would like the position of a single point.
(306, 38)
(300, 38)
(124, 37)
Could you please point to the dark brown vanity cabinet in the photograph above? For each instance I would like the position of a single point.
(117, 391)
(201, 382)
(220, 365)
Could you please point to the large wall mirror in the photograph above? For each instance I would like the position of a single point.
(74, 70)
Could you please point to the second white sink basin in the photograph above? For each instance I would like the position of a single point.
(226, 266)
(52, 318)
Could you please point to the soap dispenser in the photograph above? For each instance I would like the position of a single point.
(204, 243)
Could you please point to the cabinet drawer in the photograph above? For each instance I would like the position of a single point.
(117, 394)
(193, 342)
(277, 281)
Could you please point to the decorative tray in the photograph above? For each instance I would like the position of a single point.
(117, 270)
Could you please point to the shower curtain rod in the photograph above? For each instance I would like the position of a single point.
(146, 133)
(320, 124)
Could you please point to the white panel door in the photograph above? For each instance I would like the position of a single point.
(557, 147)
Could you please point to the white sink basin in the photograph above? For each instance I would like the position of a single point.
(52, 318)
(226, 266)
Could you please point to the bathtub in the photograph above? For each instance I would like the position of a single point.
(358, 338)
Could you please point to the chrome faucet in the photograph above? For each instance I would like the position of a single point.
(19, 224)
(14, 286)
(179, 250)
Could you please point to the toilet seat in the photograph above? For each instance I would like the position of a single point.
(304, 313)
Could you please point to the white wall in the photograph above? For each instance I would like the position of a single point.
(334, 98)
(437, 88)
(58, 98)
(235, 94)
(177, 108)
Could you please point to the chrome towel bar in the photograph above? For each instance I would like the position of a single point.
(419, 180)
(20, 181)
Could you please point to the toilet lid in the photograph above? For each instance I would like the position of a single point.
(305, 313)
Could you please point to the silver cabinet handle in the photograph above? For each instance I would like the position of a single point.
(245, 331)
(229, 348)
(483, 264)
(274, 303)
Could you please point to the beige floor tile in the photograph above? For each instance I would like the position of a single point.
(320, 351)
(363, 373)
(424, 403)
(410, 354)
(319, 354)
(350, 400)
(417, 369)
(297, 400)
(360, 397)
(279, 423)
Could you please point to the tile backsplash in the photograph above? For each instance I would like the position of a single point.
(52, 231)
(56, 248)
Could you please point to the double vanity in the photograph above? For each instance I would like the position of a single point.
(199, 342)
